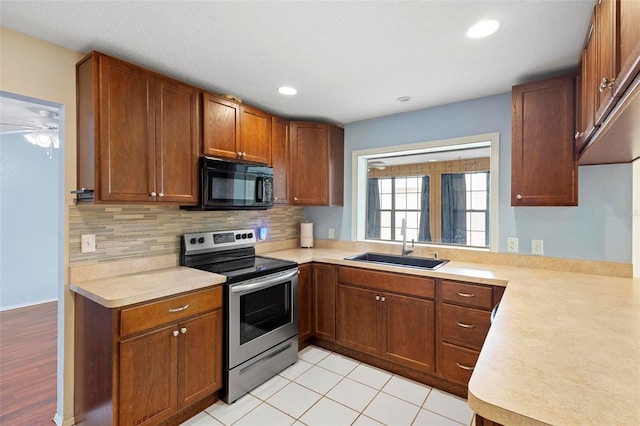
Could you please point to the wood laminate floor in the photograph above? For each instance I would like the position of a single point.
(28, 342)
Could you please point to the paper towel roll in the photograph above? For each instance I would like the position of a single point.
(306, 234)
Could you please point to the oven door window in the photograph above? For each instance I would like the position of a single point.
(264, 310)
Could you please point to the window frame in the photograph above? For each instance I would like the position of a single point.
(359, 180)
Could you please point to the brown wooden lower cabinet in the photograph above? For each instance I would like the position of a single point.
(305, 303)
(481, 421)
(324, 301)
(147, 376)
(396, 327)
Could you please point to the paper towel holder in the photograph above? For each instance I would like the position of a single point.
(306, 234)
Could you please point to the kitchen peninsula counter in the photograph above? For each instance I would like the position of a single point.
(564, 348)
(122, 290)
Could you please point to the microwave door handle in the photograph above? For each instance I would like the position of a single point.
(259, 189)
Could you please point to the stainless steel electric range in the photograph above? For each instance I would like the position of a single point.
(260, 309)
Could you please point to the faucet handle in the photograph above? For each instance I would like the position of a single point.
(434, 254)
(413, 243)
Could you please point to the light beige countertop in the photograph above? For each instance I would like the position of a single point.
(564, 348)
(122, 290)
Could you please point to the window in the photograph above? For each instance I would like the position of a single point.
(400, 191)
(399, 199)
(477, 213)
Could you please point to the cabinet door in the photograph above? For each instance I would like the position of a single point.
(280, 160)
(305, 303)
(629, 42)
(588, 88)
(200, 358)
(324, 301)
(221, 127)
(177, 142)
(255, 135)
(127, 132)
(309, 163)
(147, 378)
(608, 55)
(357, 319)
(408, 331)
(544, 169)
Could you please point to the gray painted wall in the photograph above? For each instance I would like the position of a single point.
(29, 222)
(598, 229)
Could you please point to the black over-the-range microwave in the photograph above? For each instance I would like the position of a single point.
(228, 185)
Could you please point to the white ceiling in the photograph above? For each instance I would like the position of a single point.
(349, 60)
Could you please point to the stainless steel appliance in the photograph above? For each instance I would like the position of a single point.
(228, 185)
(261, 312)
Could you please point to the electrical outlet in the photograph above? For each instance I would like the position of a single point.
(332, 233)
(512, 245)
(88, 243)
(537, 247)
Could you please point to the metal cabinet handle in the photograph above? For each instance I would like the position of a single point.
(383, 298)
(607, 84)
(465, 294)
(275, 198)
(153, 194)
(175, 333)
(377, 297)
(161, 195)
(181, 308)
(578, 135)
(183, 330)
(518, 197)
(295, 198)
(463, 325)
(464, 367)
(239, 153)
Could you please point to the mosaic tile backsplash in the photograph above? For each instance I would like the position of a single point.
(126, 232)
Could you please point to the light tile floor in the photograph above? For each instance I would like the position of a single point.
(326, 389)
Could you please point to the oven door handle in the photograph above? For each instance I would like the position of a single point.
(264, 283)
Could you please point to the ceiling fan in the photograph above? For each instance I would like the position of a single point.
(42, 133)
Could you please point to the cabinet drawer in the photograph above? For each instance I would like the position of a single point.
(458, 363)
(467, 294)
(464, 326)
(150, 315)
(398, 283)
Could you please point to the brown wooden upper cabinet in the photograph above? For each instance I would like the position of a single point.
(280, 151)
(586, 107)
(609, 67)
(544, 171)
(235, 131)
(317, 164)
(138, 133)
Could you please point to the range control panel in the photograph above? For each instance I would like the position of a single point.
(201, 242)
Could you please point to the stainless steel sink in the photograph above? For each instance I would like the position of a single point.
(396, 260)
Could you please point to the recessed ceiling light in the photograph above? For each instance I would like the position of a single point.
(483, 28)
(286, 90)
(404, 99)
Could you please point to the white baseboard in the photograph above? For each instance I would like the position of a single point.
(24, 305)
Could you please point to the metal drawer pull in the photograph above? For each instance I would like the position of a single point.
(175, 333)
(183, 330)
(181, 308)
(464, 367)
(465, 294)
(463, 325)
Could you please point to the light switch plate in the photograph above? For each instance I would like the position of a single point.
(332, 233)
(537, 247)
(88, 243)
